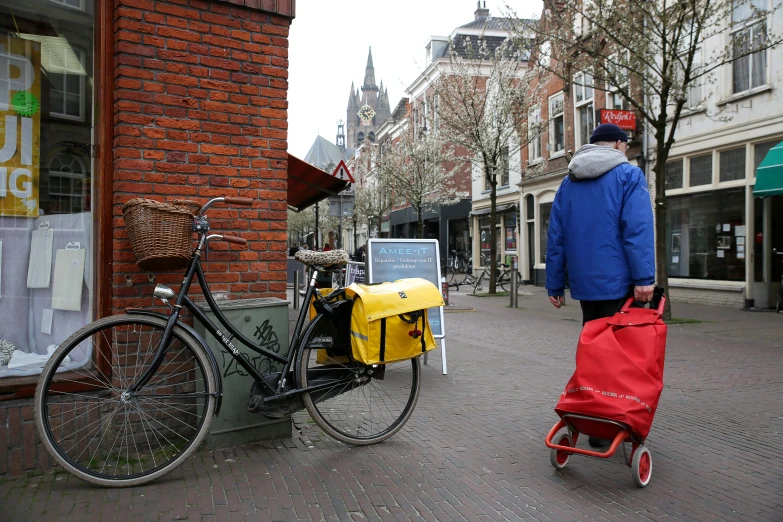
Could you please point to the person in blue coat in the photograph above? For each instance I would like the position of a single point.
(601, 229)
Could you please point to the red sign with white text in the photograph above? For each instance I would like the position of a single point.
(626, 120)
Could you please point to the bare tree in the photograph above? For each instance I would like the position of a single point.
(419, 170)
(482, 104)
(660, 56)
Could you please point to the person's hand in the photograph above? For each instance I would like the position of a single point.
(557, 300)
(643, 294)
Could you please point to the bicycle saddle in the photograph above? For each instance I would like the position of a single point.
(330, 258)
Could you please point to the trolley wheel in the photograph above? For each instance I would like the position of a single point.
(559, 458)
(641, 466)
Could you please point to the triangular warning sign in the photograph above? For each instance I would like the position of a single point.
(342, 172)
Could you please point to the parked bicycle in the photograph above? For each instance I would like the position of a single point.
(126, 399)
(503, 275)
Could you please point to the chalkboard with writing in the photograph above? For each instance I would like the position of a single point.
(391, 259)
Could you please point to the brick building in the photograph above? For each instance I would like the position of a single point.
(166, 99)
(559, 123)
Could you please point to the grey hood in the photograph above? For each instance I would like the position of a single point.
(593, 161)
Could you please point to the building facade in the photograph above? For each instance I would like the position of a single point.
(104, 102)
(561, 118)
(721, 241)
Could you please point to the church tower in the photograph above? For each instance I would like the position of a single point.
(368, 112)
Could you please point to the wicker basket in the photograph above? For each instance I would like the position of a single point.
(160, 233)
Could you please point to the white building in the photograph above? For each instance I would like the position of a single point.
(719, 237)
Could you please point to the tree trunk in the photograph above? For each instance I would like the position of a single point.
(420, 227)
(661, 263)
(493, 233)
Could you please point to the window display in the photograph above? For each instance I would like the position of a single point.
(46, 224)
(707, 236)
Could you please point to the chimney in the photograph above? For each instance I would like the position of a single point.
(482, 13)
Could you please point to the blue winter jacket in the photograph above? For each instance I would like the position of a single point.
(600, 228)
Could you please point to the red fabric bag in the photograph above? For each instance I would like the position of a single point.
(619, 369)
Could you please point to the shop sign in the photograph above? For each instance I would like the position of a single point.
(626, 120)
(20, 122)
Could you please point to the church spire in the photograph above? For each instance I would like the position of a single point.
(352, 98)
(369, 75)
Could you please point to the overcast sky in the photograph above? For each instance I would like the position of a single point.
(329, 41)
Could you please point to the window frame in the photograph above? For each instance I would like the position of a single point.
(749, 24)
(612, 92)
(62, 3)
(505, 174)
(580, 104)
(80, 55)
(534, 133)
(551, 143)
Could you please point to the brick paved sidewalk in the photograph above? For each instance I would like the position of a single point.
(474, 450)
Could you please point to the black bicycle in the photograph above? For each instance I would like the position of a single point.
(128, 398)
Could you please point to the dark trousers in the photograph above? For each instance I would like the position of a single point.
(600, 309)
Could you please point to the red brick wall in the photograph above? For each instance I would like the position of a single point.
(200, 111)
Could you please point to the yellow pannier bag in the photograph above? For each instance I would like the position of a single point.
(389, 320)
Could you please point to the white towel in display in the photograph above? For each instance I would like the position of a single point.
(39, 270)
(68, 278)
(23, 360)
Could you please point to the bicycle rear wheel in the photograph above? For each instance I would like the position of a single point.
(504, 280)
(363, 404)
(100, 431)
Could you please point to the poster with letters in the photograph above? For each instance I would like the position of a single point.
(391, 259)
(20, 122)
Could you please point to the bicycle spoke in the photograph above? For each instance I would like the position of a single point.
(103, 433)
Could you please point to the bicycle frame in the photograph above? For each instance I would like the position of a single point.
(183, 301)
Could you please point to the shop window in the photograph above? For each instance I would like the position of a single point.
(749, 35)
(674, 174)
(760, 151)
(543, 219)
(706, 236)
(732, 164)
(701, 170)
(46, 223)
(556, 125)
(584, 115)
(485, 244)
(510, 222)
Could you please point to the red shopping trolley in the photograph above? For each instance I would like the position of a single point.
(614, 391)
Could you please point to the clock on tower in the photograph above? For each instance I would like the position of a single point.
(365, 114)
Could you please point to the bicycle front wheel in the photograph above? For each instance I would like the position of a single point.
(99, 430)
(361, 404)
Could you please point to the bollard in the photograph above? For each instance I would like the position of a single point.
(514, 283)
(296, 290)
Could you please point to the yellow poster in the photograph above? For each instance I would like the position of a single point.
(20, 123)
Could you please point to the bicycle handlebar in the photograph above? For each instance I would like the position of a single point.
(228, 239)
(231, 200)
(238, 201)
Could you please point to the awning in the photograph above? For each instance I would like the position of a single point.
(307, 185)
(487, 211)
(769, 175)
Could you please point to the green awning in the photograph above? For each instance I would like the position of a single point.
(769, 175)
